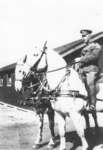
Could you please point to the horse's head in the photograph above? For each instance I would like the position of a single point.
(24, 65)
(19, 74)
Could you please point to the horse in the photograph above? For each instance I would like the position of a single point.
(65, 103)
(24, 81)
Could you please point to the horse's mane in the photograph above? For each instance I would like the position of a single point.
(55, 61)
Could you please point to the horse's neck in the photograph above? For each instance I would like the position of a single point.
(54, 75)
(42, 63)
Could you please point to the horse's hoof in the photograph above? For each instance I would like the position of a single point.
(85, 148)
(36, 146)
(98, 147)
(51, 146)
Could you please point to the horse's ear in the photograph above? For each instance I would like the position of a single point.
(25, 58)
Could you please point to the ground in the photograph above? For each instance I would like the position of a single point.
(18, 130)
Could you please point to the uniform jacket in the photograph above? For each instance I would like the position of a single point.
(89, 57)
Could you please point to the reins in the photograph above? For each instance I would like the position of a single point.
(54, 70)
(67, 66)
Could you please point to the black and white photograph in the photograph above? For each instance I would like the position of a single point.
(51, 75)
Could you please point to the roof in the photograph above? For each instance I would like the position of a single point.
(69, 48)
(8, 67)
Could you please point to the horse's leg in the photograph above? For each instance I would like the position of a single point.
(61, 126)
(50, 114)
(40, 132)
(94, 114)
(86, 117)
(76, 118)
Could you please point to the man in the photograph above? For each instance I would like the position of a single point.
(89, 67)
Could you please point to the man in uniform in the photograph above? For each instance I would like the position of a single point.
(89, 67)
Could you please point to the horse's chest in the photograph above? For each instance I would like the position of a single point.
(64, 105)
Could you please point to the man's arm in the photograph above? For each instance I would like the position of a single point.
(92, 54)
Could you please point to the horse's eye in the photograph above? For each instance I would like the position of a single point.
(19, 70)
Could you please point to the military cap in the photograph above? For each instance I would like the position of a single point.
(85, 32)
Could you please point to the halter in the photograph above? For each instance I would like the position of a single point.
(38, 84)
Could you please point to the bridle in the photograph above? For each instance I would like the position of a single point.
(34, 66)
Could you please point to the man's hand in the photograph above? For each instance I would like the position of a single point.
(77, 60)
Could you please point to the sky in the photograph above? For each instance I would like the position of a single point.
(25, 24)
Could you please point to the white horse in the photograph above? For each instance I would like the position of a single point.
(66, 103)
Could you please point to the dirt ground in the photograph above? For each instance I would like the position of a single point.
(18, 130)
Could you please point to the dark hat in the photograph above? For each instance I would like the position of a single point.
(85, 31)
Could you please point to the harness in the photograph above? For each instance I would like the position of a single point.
(57, 92)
